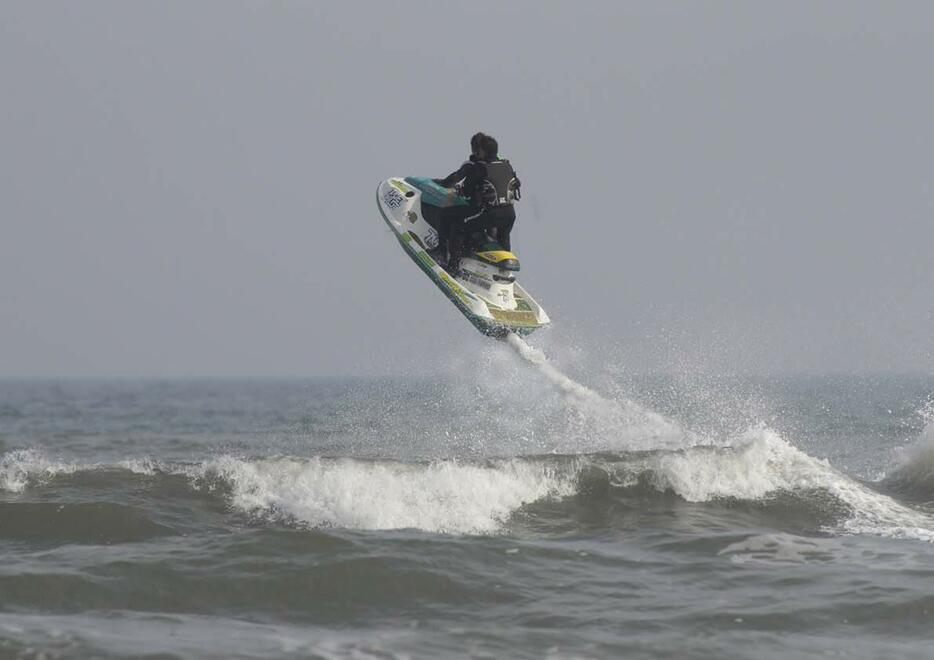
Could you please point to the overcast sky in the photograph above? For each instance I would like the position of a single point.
(187, 188)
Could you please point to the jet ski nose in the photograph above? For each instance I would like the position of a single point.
(500, 258)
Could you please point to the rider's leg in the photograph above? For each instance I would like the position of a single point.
(460, 223)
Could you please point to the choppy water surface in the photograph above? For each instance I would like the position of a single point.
(517, 514)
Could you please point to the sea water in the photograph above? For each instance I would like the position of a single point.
(497, 509)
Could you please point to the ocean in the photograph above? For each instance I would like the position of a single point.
(493, 508)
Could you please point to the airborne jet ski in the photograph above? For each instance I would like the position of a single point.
(485, 289)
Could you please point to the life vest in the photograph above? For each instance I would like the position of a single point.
(499, 187)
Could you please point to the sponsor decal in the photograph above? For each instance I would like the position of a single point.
(412, 216)
(431, 239)
(479, 281)
(526, 319)
(392, 198)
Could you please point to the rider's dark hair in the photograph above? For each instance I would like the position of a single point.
(476, 141)
(490, 146)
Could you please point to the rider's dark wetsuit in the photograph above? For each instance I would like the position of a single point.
(472, 172)
(491, 188)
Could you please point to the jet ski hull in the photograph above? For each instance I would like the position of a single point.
(400, 204)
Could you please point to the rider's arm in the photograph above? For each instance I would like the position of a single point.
(454, 177)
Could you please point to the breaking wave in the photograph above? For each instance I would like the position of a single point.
(442, 496)
(622, 445)
(460, 497)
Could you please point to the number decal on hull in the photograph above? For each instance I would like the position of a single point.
(392, 198)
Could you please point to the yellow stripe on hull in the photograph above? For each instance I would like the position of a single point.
(496, 256)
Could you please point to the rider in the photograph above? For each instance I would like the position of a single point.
(491, 186)
(464, 179)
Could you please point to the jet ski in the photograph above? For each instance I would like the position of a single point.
(484, 288)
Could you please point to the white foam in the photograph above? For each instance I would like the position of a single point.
(762, 464)
(443, 496)
(21, 467)
(757, 465)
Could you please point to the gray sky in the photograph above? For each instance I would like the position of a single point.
(187, 189)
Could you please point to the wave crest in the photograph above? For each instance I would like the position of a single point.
(442, 496)
(21, 468)
(481, 497)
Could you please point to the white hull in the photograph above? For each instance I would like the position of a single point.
(494, 309)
